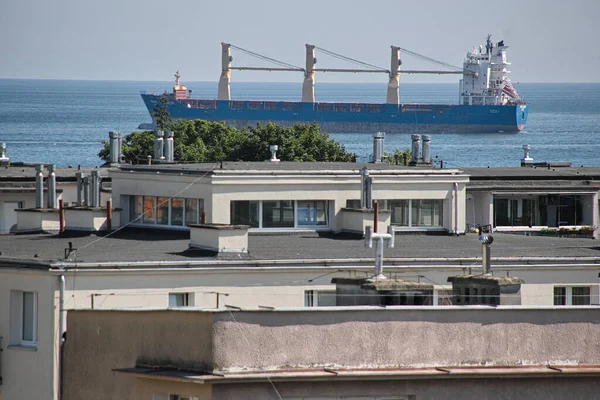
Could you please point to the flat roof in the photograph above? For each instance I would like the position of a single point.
(146, 245)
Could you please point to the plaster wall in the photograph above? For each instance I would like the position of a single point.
(125, 342)
(23, 365)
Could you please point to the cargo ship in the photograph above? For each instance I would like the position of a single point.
(487, 100)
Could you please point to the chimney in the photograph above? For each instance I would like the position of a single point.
(169, 149)
(426, 149)
(366, 192)
(526, 160)
(39, 186)
(115, 147)
(80, 188)
(52, 203)
(378, 138)
(274, 149)
(95, 189)
(415, 149)
(158, 145)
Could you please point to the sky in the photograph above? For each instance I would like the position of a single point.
(148, 40)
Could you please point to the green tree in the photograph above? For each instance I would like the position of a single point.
(404, 156)
(161, 113)
(206, 141)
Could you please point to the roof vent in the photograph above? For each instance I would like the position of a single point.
(274, 149)
(3, 158)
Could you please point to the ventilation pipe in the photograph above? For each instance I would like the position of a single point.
(273, 148)
(39, 186)
(95, 189)
(526, 160)
(378, 139)
(158, 144)
(115, 149)
(426, 148)
(456, 208)
(379, 238)
(52, 186)
(80, 188)
(366, 194)
(486, 241)
(62, 330)
(224, 92)
(86, 192)
(415, 149)
(393, 94)
(3, 157)
(169, 151)
(308, 87)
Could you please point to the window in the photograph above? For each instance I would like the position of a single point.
(181, 299)
(325, 298)
(572, 295)
(160, 396)
(23, 317)
(416, 213)
(161, 210)
(244, 213)
(280, 213)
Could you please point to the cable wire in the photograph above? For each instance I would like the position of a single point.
(265, 58)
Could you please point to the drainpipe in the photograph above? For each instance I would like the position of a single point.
(61, 333)
(456, 208)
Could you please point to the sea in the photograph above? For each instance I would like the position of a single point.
(63, 122)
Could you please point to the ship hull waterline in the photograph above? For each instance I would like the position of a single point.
(352, 117)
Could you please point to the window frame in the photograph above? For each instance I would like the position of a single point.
(136, 211)
(187, 299)
(18, 319)
(296, 225)
(568, 297)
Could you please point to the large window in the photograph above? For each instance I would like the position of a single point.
(244, 213)
(572, 295)
(416, 213)
(319, 298)
(548, 210)
(280, 213)
(23, 318)
(181, 299)
(174, 211)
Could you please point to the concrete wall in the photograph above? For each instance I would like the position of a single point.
(353, 338)
(100, 342)
(407, 337)
(422, 389)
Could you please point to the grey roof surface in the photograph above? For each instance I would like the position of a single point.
(131, 246)
(26, 172)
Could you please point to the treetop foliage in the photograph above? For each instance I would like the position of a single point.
(207, 141)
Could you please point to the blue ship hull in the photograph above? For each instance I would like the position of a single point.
(352, 117)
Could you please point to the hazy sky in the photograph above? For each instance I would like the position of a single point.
(550, 41)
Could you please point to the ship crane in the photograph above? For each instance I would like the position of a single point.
(308, 93)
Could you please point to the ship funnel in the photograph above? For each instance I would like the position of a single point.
(378, 138)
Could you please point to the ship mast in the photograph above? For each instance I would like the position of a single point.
(393, 92)
(225, 79)
(308, 87)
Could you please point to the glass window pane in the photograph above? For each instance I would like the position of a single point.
(191, 211)
(326, 299)
(177, 211)
(353, 203)
(162, 211)
(399, 210)
(244, 213)
(312, 213)
(278, 214)
(135, 209)
(581, 296)
(28, 316)
(560, 296)
(178, 299)
(149, 210)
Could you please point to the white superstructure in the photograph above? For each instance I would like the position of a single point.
(487, 81)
